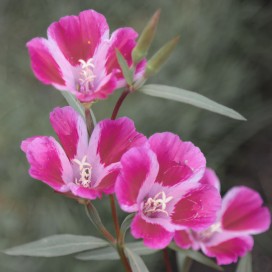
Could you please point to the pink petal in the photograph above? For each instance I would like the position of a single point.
(139, 170)
(242, 211)
(71, 130)
(122, 39)
(229, 251)
(211, 178)
(87, 193)
(106, 185)
(25, 143)
(183, 239)
(154, 236)
(79, 36)
(112, 138)
(48, 162)
(198, 207)
(43, 64)
(172, 152)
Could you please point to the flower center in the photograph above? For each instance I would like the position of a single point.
(208, 233)
(87, 75)
(85, 171)
(156, 204)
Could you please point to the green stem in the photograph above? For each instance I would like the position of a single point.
(95, 219)
(167, 260)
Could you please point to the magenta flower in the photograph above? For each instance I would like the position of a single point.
(160, 184)
(79, 56)
(81, 167)
(229, 237)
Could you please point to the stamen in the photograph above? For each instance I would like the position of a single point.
(87, 75)
(156, 204)
(85, 169)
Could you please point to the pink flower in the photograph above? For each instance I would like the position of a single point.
(229, 237)
(160, 184)
(85, 168)
(79, 56)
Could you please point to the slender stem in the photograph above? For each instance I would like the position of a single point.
(114, 215)
(119, 103)
(94, 217)
(89, 121)
(167, 260)
(124, 258)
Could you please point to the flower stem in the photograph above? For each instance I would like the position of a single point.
(89, 121)
(167, 260)
(114, 215)
(119, 103)
(95, 219)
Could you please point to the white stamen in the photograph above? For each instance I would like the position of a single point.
(157, 203)
(87, 75)
(85, 169)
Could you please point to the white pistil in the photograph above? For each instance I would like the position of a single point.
(157, 203)
(85, 171)
(87, 75)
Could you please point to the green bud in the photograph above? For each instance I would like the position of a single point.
(160, 57)
(146, 38)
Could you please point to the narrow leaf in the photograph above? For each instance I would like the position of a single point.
(57, 245)
(136, 262)
(245, 264)
(184, 262)
(110, 253)
(107, 253)
(74, 103)
(197, 256)
(127, 73)
(188, 97)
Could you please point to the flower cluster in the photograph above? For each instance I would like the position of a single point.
(162, 179)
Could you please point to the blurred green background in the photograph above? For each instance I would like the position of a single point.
(225, 53)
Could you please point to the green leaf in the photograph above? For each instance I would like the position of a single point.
(110, 253)
(189, 97)
(197, 256)
(184, 262)
(74, 103)
(245, 264)
(136, 262)
(107, 253)
(127, 72)
(57, 245)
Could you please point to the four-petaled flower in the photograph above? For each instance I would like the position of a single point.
(79, 56)
(82, 167)
(160, 183)
(241, 215)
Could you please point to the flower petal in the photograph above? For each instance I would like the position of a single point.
(211, 178)
(43, 64)
(122, 39)
(242, 211)
(48, 162)
(71, 130)
(154, 236)
(139, 170)
(172, 152)
(198, 207)
(87, 193)
(112, 138)
(228, 251)
(79, 36)
(183, 239)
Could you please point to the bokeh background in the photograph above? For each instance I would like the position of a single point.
(225, 53)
